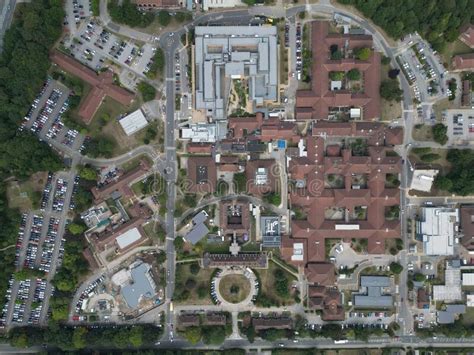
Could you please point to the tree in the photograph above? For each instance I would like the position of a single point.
(443, 183)
(336, 75)
(76, 228)
(147, 91)
(249, 2)
(390, 90)
(353, 74)
(385, 60)
(430, 157)
(194, 268)
(213, 335)
(79, 338)
(136, 336)
(362, 53)
(161, 257)
(178, 243)
(101, 146)
(419, 277)
(128, 14)
(193, 334)
(396, 268)
(393, 73)
(202, 292)
(164, 18)
(88, 173)
(440, 131)
(190, 283)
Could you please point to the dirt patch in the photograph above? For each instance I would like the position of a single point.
(422, 132)
(234, 288)
(26, 195)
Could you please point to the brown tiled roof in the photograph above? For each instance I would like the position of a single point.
(394, 136)
(107, 239)
(321, 274)
(202, 173)
(287, 249)
(102, 85)
(230, 224)
(467, 35)
(199, 148)
(188, 320)
(266, 130)
(157, 3)
(216, 319)
(272, 177)
(423, 298)
(315, 198)
(327, 300)
(467, 227)
(121, 185)
(272, 323)
(315, 103)
(463, 61)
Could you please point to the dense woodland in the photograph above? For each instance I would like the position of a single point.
(436, 20)
(23, 66)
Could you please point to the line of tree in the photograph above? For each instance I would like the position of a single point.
(127, 13)
(77, 338)
(438, 21)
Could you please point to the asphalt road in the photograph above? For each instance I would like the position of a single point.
(6, 15)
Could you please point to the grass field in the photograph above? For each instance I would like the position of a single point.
(202, 279)
(267, 280)
(389, 110)
(234, 288)
(452, 49)
(422, 133)
(26, 195)
(468, 317)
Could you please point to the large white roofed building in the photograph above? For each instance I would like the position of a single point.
(128, 238)
(133, 122)
(437, 228)
(225, 53)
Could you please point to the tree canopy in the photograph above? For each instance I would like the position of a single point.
(128, 14)
(390, 90)
(23, 66)
(438, 21)
(148, 92)
(460, 179)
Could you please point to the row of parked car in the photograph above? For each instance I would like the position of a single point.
(47, 110)
(87, 292)
(38, 298)
(21, 234)
(46, 191)
(49, 243)
(33, 241)
(60, 195)
(57, 125)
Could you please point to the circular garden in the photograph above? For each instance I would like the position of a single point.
(234, 288)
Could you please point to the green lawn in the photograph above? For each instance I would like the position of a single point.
(201, 280)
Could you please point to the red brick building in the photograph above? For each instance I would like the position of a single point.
(324, 97)
(102, 85)
(343, 195)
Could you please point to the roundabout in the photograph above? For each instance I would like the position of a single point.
(236, 286)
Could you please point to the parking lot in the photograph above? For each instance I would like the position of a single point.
(45, 116)
(40, 243)
(93, 46)
(76, 11)
(423, 70)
